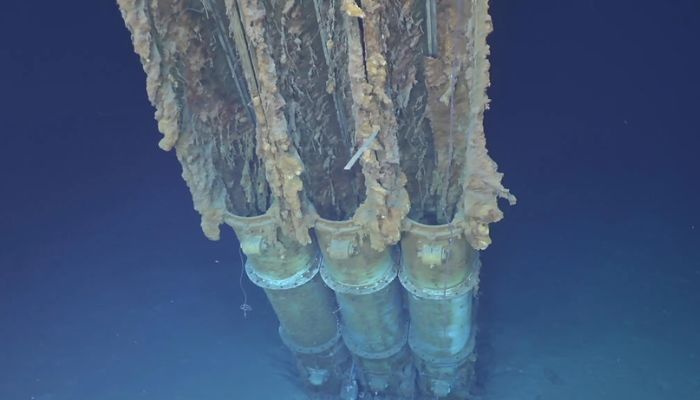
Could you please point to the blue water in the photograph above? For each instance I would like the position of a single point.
(108, 289)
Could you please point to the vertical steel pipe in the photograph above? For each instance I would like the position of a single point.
(374, 323)
(440, 272)
(288, 273)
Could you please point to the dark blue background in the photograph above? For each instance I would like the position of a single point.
(594, 121)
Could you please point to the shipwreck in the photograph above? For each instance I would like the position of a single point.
(343, 142)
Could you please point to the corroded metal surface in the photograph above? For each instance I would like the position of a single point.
(348, 125)
(267, 101)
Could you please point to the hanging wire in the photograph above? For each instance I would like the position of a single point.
(244, 307)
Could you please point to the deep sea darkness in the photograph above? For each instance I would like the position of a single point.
(109, 290)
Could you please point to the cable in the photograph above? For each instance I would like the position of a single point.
(245, 307)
